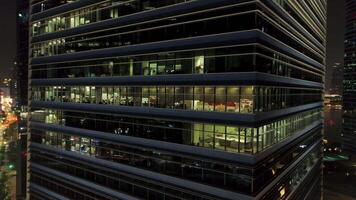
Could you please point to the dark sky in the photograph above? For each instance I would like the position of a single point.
(7, 36)
(335, 38)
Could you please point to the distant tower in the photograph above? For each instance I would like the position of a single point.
(349, 95)
(336, 79)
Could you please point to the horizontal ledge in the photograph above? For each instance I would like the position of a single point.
(145, 174)
(152, 47)
(62, 9)
(294, 139)
(238, 37)
(233, 78)
(47, 193)
(148, 175)
(282, 13)
(141, 16)
(179, 149)
(84, 184)
(248, 120)
(288, 171)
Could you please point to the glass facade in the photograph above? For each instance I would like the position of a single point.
(169, 69)
(39, 6)
(349, 82)
(237, 139)
(105, 10)
(245, 99)
(232, 177)
(297, 176)
(245, 58)
(196, 27)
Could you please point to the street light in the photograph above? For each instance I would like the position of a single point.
(10, 166)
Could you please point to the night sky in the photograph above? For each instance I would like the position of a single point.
(335, 38)
(8, 36)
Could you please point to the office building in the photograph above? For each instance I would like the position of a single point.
(176, 99)
(20, 101)
(349, 93)
(22, 51)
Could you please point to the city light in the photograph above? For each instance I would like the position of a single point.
(10, 166)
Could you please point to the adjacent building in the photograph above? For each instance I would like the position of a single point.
(21, 99)
(22, 52)
(349, 95)
(176, 99)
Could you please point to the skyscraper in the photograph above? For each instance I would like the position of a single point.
(22, 24)
(349, 95)
(176, 99)
(22, 51)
